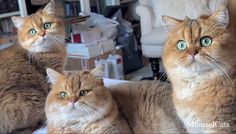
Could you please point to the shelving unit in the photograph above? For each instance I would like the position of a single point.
(75, 19)
(8, 33)
(126, 1)
(6, 15)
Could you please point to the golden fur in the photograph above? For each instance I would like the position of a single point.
(203, 78)
(23, 82)
(147, 106)
(95, 112)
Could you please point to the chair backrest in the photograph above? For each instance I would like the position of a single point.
(181, 8)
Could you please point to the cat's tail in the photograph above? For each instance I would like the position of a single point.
(2, 47)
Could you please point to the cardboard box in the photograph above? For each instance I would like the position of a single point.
(86, 34)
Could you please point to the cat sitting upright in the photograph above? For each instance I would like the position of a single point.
(23, 81)
(200, 60)
(79, 103)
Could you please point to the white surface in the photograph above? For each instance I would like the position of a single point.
(107, 83)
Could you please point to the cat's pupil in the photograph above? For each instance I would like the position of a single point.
(206, 41)
(32, 31)
(181, 45)
(63, 95)
(47, 25)
(83, 92)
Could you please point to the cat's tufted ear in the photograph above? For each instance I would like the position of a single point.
(170, 23)
(221, 16)
(53, 75)
(50, 8)
(18, 21)
(98, 71)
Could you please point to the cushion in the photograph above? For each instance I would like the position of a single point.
(179, 9)
(157, 36)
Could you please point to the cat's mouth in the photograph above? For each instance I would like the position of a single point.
(195, 66)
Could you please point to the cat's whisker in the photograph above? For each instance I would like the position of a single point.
(60, 36)
(219, 61)
(57, 40)
(164, 77)
(44, 124)
(56, 36)
(224, 73)
(221, 68)
(99, 117)
(85, 108)
(183, 61)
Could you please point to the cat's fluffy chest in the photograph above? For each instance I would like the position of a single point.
(78, 124)
(195, 102)
(192, 121)
(187, 91)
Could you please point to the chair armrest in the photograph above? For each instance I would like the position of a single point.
(215, 4)
(146, 18)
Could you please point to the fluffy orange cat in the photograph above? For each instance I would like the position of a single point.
(147, 106)
(200, 60)
(79, 103)
(23, 81)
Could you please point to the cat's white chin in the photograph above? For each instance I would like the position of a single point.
(193, 69)
(44, 44)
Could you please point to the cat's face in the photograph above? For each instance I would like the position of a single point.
(40, 32)
(78, 95)
(197, 46)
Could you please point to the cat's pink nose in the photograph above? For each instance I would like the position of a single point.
(193, 52)
(72, 101)
(42, 34)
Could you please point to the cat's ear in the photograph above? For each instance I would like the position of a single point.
(98, 71)
(170, 23)
(50, 8)
(18, 21)
(53, 75)
(221, 16)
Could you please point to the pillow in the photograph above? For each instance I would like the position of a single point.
(179, 9)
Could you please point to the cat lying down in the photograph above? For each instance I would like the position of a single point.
(79, 102)
(107, 83)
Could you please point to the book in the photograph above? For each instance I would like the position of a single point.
(89, 50)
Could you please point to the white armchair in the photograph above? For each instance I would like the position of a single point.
(153, 33)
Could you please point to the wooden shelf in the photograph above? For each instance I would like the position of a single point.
(5, 15)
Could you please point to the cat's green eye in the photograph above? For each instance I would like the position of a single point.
(83, 92)
(182, 45)
(47, 25)
(206, 41)
(32, 31)
(63, 95)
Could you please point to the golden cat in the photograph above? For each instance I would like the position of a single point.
(79, 103)
(200, 60)
(147, 106)
(23, 81)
